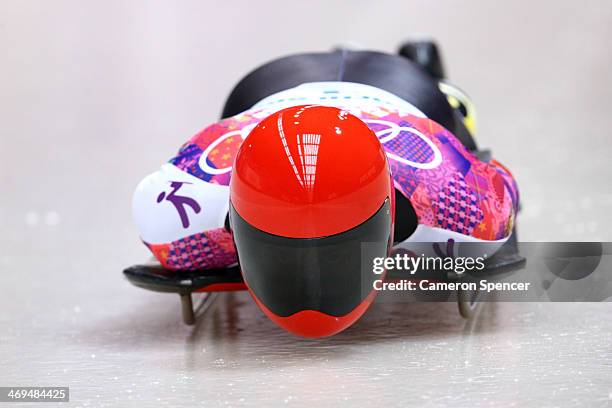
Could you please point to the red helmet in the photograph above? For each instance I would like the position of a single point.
(310, 185)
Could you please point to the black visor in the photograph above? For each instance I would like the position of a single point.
(289, 275)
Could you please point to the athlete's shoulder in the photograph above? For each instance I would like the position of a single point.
(209, 154)
(448, 185)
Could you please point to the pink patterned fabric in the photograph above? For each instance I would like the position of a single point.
(206, 250)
